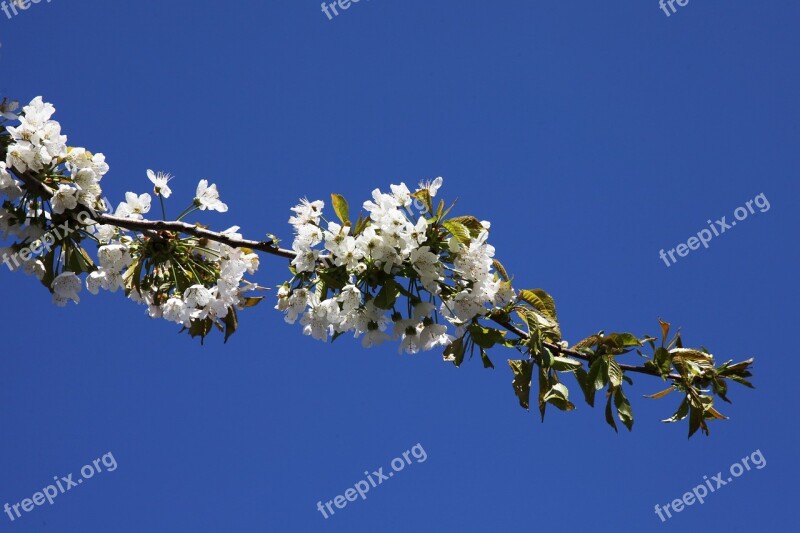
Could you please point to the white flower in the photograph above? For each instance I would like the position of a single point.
(432, 186)
(66, 287)
(306, 259)
(64, 199)
(207, 197)
(134, 206)
(173, 310)
(401, 194)
(350, 298)
(307, 213)
(114, 256)
(160, 181)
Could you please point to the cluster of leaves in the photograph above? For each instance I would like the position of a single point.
(594, 364)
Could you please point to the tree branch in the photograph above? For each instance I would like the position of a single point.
(152, 227)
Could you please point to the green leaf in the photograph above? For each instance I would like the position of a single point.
(458, 230)
(334, 278)
(624, 340)
(610, 415)
(558, 395)
(523, 373)
(696, 421)
(485, 337)
(252, 301)
(424, 195)
(501, 270)
(586, 385)
(549, 303)
(341, 208)
(663, 361)
(487, 363)
(387, 295)
(680, 414)
(598, 373)
(231, 323)
(544, 388)
(473, 225)
(565, 364)
(454, 353)
(360, 225)
(624, 410)
(614, 373)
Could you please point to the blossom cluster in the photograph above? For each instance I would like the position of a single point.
(350, 277)
(181, 279)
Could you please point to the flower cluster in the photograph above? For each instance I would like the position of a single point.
(185, 280)
(350, 277)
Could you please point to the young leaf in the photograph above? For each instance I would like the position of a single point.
(624, 410)
(455, 352)
(610, 415)
(341, 208)
(523, 372)
(487, 363)
(387, 295)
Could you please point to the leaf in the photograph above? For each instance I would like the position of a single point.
(623, 340)
(664, 330)
(544, 388)
(231, 323)
(598, 373)
(523, 372)
(624, 410)
(387, 295)
(549, 303)
(454, 353)
(614, 373)
(341, 208)
(696, 421)
(531, 298)
(487, 363)
(485, 337)
(610, 415)
(680, 414)
(558, 395)
(659, 395)
(458, 230)
(360, 226)
(588, 342)
(473, 225)
(565, 364)
(586, 385)
(334, 278)
(252, 301)
(501, 270)
(663, 361)
(424, 195)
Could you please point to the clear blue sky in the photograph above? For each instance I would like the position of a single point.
(592, 134)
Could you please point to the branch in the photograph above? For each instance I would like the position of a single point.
(269, 247)
(577, 355)
(153, 226)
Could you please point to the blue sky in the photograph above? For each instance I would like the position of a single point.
(592, 135)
